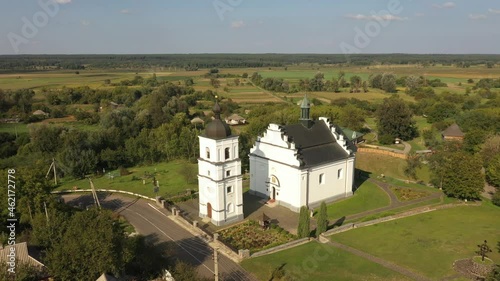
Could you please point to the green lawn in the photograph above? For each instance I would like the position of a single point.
(368, 196)
(168, 175)
(317, 262)
(378, 164)
(429, 243)
(12, 128)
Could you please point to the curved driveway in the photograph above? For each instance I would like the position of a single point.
(155, 224)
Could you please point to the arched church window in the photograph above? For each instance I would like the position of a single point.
(208, 152)
(226, 153)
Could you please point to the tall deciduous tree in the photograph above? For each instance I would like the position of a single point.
(322, 221)
(92, 244)
(457, 173)
(303, 229)
(395, 119)
(493, 171)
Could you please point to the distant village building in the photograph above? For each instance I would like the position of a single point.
(353, 136)
(302, 164)
(219, 173)
(197, 120)
(453, 133)
(40, 113)
(22, 255)
(106, 277)
(235, 119)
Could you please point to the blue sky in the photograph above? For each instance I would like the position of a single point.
(249, 26)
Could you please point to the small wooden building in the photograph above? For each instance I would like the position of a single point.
(453, 133)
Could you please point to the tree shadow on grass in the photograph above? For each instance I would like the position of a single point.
(337, 223)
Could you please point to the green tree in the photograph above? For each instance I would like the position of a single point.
(322, 221)
(493, 171)
(412, 164)
(215, 82)
(92, 244)
(303, 229)
(356, 83)
(473, 140)
(457, 173)
(388, 82)
(490, 149)
(395, 119)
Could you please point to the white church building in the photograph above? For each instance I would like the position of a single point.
(219, 173)
(302, 164)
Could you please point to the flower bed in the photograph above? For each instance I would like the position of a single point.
(251, 236)
(408, 194)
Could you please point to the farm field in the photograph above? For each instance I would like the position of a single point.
(168, 175)
(301, 262)
(429, 243)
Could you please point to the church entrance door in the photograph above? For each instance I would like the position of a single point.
(209, 210)
(273, 193)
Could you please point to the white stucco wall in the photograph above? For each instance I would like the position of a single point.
(272, 155)
(213, 180)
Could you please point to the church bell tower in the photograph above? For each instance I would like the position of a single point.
(219, 173)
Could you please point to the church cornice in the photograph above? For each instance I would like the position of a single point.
(222, 180)
(220, 163)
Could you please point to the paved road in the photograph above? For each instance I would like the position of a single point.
(155, 224)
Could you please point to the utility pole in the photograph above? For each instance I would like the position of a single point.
(216, 264)
(46, 213)
(94, 194)
(52, 167)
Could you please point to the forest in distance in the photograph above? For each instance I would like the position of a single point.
(21, 63)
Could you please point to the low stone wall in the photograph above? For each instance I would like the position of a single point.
(392, 153)
(103, 190)
(282, 247)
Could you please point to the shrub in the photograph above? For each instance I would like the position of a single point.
(496, 198)
(303, 228)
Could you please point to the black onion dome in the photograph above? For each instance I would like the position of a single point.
(217, 129)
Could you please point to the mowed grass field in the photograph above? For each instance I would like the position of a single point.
(378, 164)
(317, 262)
(429, 243)
(168, 175)
(368, 196)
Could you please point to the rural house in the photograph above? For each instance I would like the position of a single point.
(453, 133)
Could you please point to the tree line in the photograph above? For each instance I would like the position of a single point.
(16, 63)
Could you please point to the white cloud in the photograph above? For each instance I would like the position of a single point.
(494, 11)
(237, 24)
(125, 11)
(446, 5)
(477, 17)
(376, 17)
(62, 1)
(85, 22)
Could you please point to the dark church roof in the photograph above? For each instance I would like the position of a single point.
(217, 129)
(316, 145)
